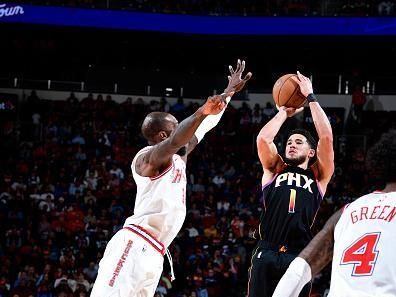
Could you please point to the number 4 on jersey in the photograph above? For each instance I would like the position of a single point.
(362, 254)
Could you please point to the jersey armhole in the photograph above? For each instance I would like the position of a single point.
(158, 176)
(315, 173)
(263, 186)
(345, 207)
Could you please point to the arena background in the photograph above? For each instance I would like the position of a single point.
(66, 185)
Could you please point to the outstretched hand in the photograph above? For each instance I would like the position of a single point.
(235, 80)
(290, 111)
(215, 104)
(304, 83)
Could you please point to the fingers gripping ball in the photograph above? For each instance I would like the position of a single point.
(286, 92)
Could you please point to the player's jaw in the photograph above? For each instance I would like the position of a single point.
(294, 158)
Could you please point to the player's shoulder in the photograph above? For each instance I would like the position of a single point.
(142, 151)
(139, 154)
(367, 198)
(178, 158)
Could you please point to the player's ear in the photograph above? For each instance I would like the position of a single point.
(163, 135)
(311, 153)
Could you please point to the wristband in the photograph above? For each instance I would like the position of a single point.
(210, 121)
(311, 98)
(293, 281)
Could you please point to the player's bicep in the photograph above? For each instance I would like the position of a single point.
(268, 154)
(161, 153)
(325, 159)
(319, 252)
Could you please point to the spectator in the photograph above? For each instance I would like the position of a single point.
(69, 190)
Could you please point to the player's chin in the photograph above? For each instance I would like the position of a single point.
(291, 156)
(294, 160)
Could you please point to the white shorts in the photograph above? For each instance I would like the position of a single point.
(131, 265)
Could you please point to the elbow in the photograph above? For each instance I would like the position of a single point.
(177, 141)
(263, 138)
(326, 141)
(174, 142)
(327, 138)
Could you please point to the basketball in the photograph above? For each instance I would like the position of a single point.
(286, 92)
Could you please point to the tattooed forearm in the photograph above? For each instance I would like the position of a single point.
(319, 254)
(319, 251)
(192, 144)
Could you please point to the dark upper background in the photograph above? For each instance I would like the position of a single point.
(198, 62)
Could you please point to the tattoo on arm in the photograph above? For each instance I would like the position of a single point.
(161, 153)
(192, 144)
(319, 252)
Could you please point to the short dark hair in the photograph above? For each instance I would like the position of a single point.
(153, 123)
(310, 139)
(381, 157)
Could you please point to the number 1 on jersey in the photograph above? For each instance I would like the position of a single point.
(292, 200)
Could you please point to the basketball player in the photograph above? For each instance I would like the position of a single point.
(132, 262)
(360, 238)
(293, 188)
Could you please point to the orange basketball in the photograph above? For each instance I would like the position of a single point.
(286, 92)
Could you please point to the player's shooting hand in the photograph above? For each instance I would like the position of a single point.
(215, 104)
(235, 80)
(290, 111)
(304, 83)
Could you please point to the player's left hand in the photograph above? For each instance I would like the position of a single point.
(235, 80)
(304, 83)
(215, 104)
(290, 111)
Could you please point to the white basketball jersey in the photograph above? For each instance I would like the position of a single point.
(160, 205)
(364, 260)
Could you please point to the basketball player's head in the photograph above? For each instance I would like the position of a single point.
(158, 126)
(381, 158)
(300, 147)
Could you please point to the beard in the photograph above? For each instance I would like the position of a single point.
(294, 161)
(182, 151)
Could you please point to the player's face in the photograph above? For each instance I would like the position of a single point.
(297, 149)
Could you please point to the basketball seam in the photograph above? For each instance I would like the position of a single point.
(305, 99)
(280, 89)
(295, 90)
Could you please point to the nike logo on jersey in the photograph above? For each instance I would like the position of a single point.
(299, 180)
(378, 212)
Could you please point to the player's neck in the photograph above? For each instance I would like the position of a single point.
(390, 187)
(304, 165)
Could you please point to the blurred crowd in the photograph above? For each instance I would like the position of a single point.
(66, 188)
(245, 8)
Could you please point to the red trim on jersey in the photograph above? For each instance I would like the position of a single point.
(345, 207)
(147, 237)
(162, 173)
(378, 192)
(382, 192)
